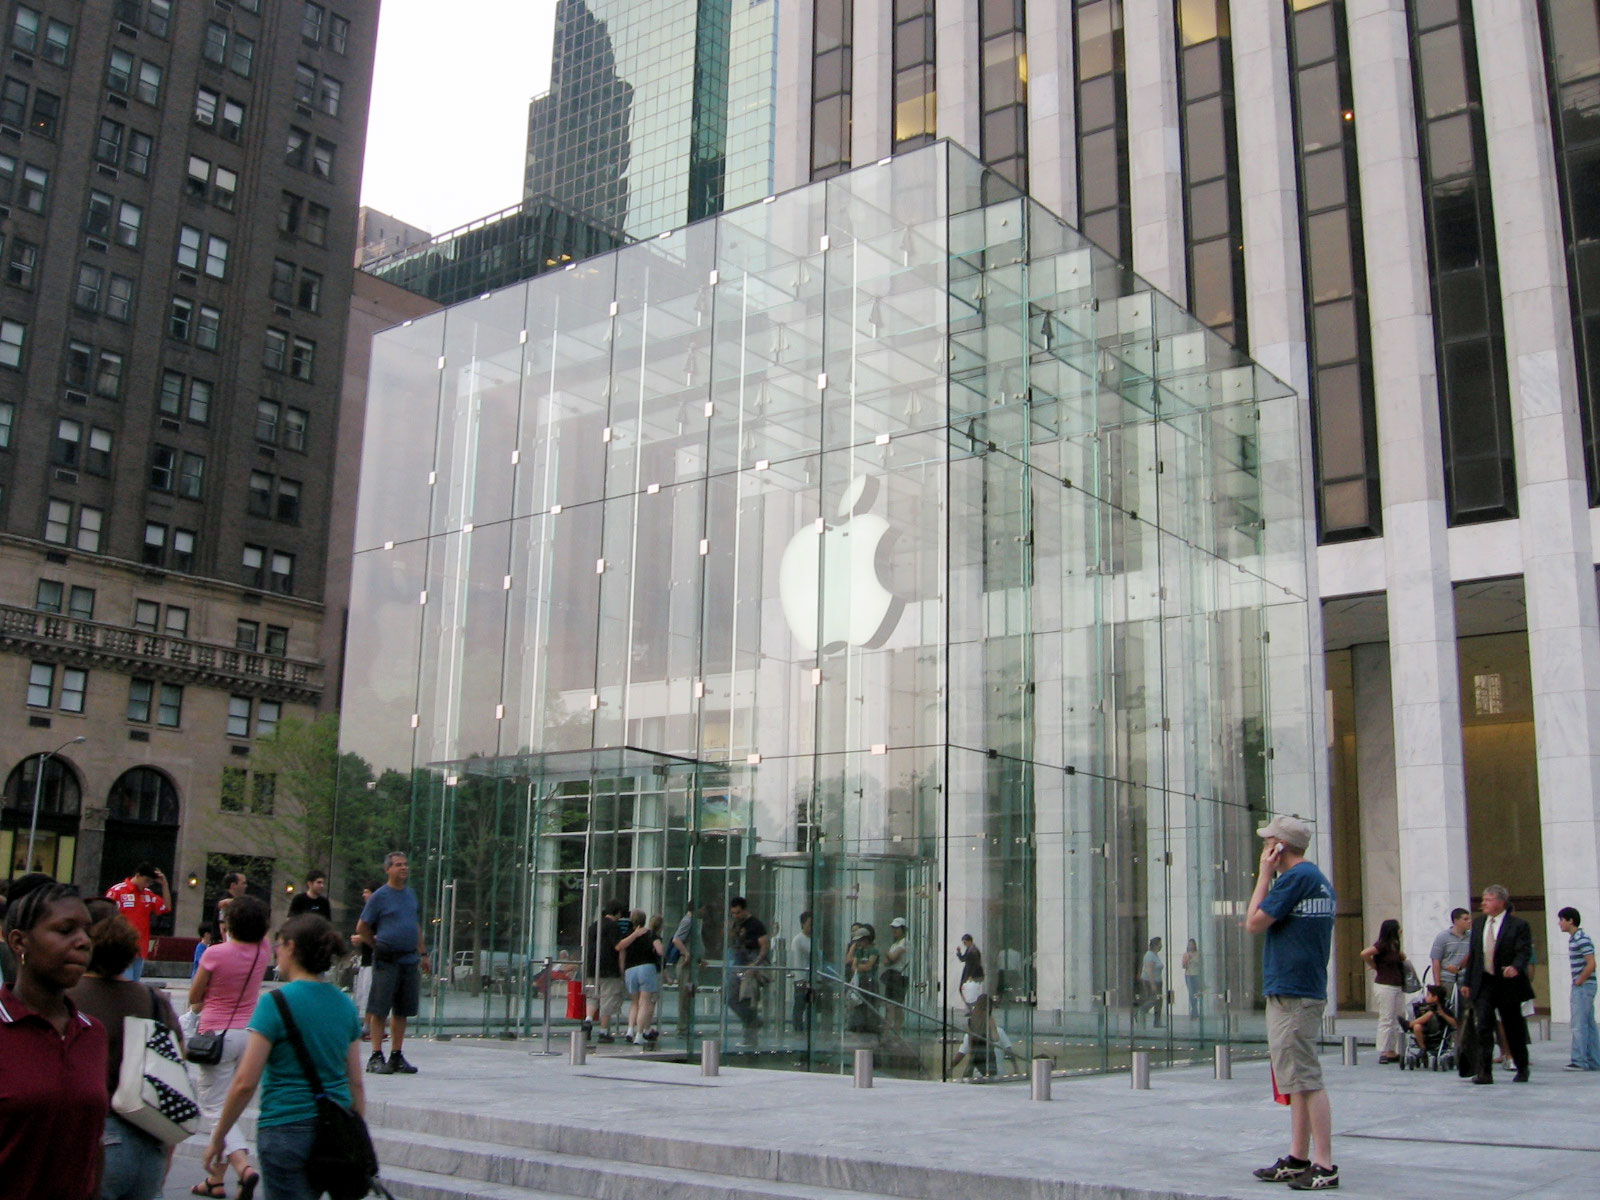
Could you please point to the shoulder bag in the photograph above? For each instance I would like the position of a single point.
(342, 1161)
(206, 1048)
(154, 1092)
(1408, 977)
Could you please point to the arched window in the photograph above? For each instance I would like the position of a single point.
(145, 796)
(60, 796)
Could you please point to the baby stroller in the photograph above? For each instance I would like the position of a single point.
(1440, 1038)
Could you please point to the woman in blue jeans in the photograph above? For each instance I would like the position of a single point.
(307, 946)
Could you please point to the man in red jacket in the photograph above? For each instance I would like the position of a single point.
(138, 900)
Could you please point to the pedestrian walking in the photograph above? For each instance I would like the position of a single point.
(53, 1098)
(330, 1029)
(606, 986)
(1152, 984)
(1388, 963)
(391, 923)
(223, 995)
(1580, 955)
(135, 1163)
(749, 947)
(1293, 905)
(1192, 980)
(313, 898)
(140, 896)
(639, 956)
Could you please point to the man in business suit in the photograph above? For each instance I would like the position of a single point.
(1496, 981)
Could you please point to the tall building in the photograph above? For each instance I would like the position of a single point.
(1393, 206)
(179, 183)
(658, 113)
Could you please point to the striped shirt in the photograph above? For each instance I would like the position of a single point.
(1579, 947)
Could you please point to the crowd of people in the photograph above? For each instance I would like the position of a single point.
(73, 971)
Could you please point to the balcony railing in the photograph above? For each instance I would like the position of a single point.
(139, 651)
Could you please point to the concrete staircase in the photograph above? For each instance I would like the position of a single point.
(430, 1155)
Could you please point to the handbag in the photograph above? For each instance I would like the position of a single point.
(1408, 978)
(342, 1161)
(154, 1092)
(206, 1048)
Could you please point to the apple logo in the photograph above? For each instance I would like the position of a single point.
(832, 582)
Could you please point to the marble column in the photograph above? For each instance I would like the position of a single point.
(1155, 149)
(1552, 496)
(1430, 783)
(871, 84)
(1375, 787)
(955, 64)
(792, 119)
(1052, 108)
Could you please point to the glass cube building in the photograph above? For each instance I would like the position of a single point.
(880, 551)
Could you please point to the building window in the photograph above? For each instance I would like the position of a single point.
(46, 113)
(25, 29)
(207, 327)
(232, 126)
(183, 550)
(305, 84)
(47, 596)
(241, 61)
(97, 458)
(245, 634)
(108, 377)
(315, 229)
(1103, 188)
(189, 240)
(224, 188)
(97, 215)
(215, 47)
(338, 33)
(275, 350)
(108, 141)
(155, 535)
(295, 421)
(119, 297)
(191, 476)
(146, 615)
(199, 409)
(281, 285)
(35, 189)
(13, 336)
(129, 219)
(277, 644)
(158, 17)
(80, 603)
(141, 693)
(268, 713)
(22, 264)
(254, 562)
(239, 716)
(290, 208)
(329, 91)
(163, 470)
(41, 684)
(60, 527)
(259, 494)
(830, 87)
(169, 705)
(302, 358)
(309, 296)
(915, 94)
(294, 152)
(267, 421)
(68, 443)
(86, 293)
(311, 22)
(148, 88)
(140, 147)
(231, 796)
(288, 506)
(283, 572)
(58, 522)
(180, 318)
(206, 104)
(1003, 88)
(74, 685)
(177, 622)
(216, 264)
(13, 101)
(1464, 270)
(8, 415)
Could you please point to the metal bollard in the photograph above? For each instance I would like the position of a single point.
(1039, 1078)
(1349, 1049)
(710, 1057)
(1224, 1063)
(578, 1049)
(1141, 1070)
(1544, 1029)
(863, 1068)
(547, 965)
(1330, 1027)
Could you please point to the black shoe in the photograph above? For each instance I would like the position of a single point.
(588, 1029)
(1282, 1171)
(1483, 1077)
(377, 1066)
(1315, 1179)
(605, 1037)
(399, 1066)
(1521, 1076)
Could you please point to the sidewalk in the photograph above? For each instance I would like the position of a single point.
(1397, 1134)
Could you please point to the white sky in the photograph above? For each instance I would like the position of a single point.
(449, 121)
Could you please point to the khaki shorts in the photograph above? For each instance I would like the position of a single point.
(608, 993)
(1293, 1025)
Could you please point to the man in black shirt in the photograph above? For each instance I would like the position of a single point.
(314, 897)
(603, 970)
(748, 948)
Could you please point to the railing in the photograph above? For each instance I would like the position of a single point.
(160, 652)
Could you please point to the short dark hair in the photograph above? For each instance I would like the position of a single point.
(738, 902)
(805, 916)
(316, 875)
(614, 908)
(316, 943)
(145, 868)
(1571, 914)
(113, 944)
(248, 919)
(1456, 913)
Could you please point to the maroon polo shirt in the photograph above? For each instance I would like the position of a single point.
(52, 1103)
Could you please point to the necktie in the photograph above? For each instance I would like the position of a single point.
(1488, 942)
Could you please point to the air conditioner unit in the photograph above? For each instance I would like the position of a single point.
(108, 172)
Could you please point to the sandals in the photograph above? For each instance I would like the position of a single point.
(247, 1183)
(217, 1191)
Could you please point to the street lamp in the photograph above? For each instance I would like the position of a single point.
(38, 789)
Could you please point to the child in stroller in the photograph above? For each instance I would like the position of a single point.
(1434, 1027)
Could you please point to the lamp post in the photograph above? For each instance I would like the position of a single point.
(38, 790)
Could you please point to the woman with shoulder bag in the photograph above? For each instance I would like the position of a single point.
(330, 1033)
(1388, 962)
(135, 1162)
(224, 994)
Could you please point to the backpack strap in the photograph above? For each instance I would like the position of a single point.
(300, 1051)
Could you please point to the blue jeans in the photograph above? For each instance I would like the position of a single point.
(135, 1162)
(1585, 1041)
(283, 1150)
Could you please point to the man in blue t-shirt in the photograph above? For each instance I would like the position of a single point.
(391, 925)
(1293, 904)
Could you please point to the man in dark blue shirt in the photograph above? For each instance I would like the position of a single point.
(391, 925)
(1293, 905)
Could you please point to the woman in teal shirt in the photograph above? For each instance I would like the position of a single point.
(307, 947)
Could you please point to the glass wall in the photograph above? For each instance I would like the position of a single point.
(881, 552)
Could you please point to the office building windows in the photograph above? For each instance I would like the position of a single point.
(1474, 393)
(239, 716)
(79, 525)
(67, 444)
(1572, 69)
(245, 634)
(1003, 88)
(275, 349)
(8, 415)
(35, 189)
(41, 684)
(295, 423)
(915, 95)
(830, 87)
(253, 561)
(1104, 212)
(268, 714)
(302, 358)
(42, 687)
(312, 20)
(13, 338)
(277, 641)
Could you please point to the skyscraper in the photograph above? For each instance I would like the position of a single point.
(1392, 204)
(658, 113)
(180, 188)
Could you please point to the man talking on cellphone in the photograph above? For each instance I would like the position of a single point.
(1293, 905)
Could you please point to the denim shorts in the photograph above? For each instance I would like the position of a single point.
(135, 1162)
(283, 1150)
(643, 978)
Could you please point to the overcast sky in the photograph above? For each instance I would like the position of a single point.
(449, 121)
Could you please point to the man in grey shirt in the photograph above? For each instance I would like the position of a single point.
(1450, 950)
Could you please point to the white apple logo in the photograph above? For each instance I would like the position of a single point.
(833, 581)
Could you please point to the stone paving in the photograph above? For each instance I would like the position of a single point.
(1397, 1134)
